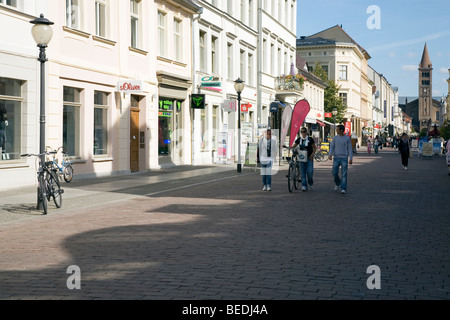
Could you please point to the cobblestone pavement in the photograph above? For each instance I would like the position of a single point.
(200, 233)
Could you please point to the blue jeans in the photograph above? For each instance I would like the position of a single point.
(342, 180)
(307, 169)
(266, 171)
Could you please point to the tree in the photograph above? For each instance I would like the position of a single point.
(331, 95)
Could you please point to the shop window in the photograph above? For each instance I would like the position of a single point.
(101, 123)
(10, 118)
(71, 121)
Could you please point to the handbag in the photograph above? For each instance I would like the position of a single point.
(303, 155)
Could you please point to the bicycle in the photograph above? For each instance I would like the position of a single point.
(65, 170)
(293, 172)
(48, 184)
(320, 156)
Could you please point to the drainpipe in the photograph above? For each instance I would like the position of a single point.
(259, 67)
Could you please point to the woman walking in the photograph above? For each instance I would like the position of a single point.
(267, 148)
(403, 149)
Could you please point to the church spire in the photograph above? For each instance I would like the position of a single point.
(425, 62)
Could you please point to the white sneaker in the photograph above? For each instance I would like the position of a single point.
(406, 168)
(336, 188)
(269, 189)
(304, 189)
(343, 191)
(265, 188)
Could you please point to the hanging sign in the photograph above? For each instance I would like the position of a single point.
(198, 101)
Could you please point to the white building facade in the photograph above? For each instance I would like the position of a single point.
(251, 40)
(116, 71)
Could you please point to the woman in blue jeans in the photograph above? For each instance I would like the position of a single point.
(267, 149)
(306, 168)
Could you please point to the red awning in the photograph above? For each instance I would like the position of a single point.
(320, 123)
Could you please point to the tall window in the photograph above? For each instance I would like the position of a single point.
(273, 59)
(215, 126)
(202, 40)
(265, 55)
(100, 18)
(343, 96)
(230, 61)
(162, 33)
(134, 17)
(343, 72)
(250, 13)
(72, 14)
(100, 123)
(280, 62)
(71, 121)
(242, 11)
(242, 65)
(230, 7)
(177, 39)
(10, 118)
(214, 55)
(250, 69)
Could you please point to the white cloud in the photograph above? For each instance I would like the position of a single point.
(443, 70)
(409, 67)
(403, 43)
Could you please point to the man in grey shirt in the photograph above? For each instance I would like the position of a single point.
(341, 149)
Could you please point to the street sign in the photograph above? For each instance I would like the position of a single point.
(198, 101)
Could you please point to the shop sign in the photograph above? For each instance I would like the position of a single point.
(245, 107)
(274, 106)
(230, 106)
(328, 115)
(165, 114)
(198, 101)
(130, 86)
(166, 105)
(210, 81)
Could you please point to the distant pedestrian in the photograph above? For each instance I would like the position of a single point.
(369, 145)
(448, 156)
(376, 144)
(305, 142)
(267, 148)
(341, 149)
(403, 149)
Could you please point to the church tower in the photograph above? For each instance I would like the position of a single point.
(425, 89)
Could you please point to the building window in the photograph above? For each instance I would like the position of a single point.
(134, 16)
(250, 69)
(214, 53)
(162, 33)
(12, 3)
(242, 65)
(342, 72)
(204, 126)
(73, 14)
(100, 18)
(343, 97)
(100, 123)
(325, 68)
(425, 82)
(215, 126)
(230, 61)
(230, 7)
(272, 54)
(10, 118)
(437, 115)
(71, 121)
(202, 41)
(177, 39)
(250, 13)
(242, 12)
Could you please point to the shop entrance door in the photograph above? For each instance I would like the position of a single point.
(134, 139)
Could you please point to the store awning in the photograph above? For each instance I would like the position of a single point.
(321, 123)
(329, 123)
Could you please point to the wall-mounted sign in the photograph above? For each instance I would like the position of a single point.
(198, 101)
(230, 106)
(165, 104)
(274, 107)
(328, 115)
(245, 107)
(130, 86)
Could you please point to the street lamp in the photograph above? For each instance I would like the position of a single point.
(239, 87)
(334, 119)
(42, 34)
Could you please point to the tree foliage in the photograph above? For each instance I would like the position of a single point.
(331, 95)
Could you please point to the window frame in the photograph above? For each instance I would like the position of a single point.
(105, 118)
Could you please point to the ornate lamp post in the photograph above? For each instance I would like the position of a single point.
(42, 34)
(239, 87)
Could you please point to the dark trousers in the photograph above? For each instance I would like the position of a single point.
(405, 157)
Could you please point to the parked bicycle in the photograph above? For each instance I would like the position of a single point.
(65, 170)
(293, 171)
(48, 184)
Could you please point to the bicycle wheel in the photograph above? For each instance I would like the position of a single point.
(42, 193)
(68, 173)
(291, 177)
(296, 176)
(55, 188)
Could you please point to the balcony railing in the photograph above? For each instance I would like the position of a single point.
(289, 83)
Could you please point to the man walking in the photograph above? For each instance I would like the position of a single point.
(306, 168)
(403, 149)
(341, 149)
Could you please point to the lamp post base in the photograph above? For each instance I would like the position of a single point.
(239, 168)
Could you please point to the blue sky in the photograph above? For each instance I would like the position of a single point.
(396, 47)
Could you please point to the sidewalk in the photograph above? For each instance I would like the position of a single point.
(210, 233)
